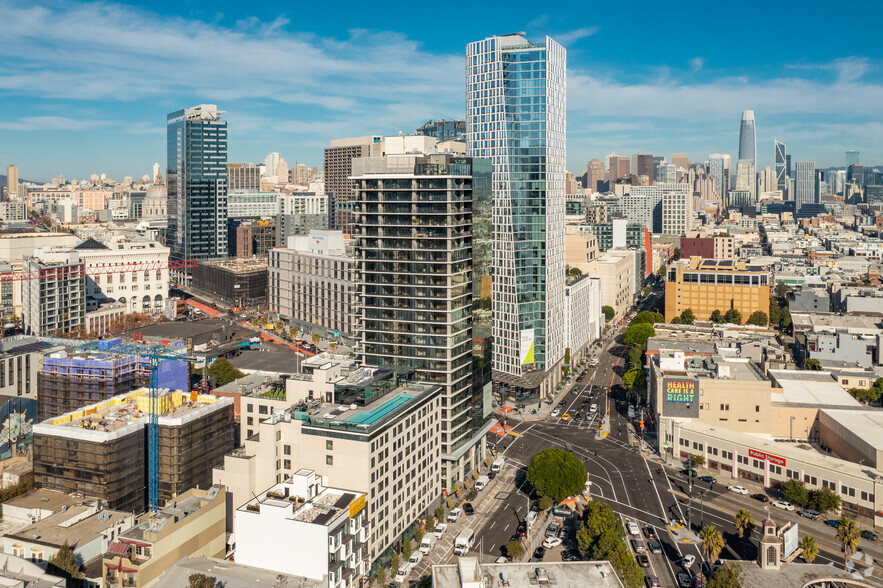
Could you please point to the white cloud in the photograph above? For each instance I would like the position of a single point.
(52, 123)
(570, 37)
(696, 64)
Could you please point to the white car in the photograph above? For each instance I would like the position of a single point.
(440, 530)
(550, 542)
(403, 572)
(688, 560)
(454, 515)
(632, 528)
(783, 504)
(737, 489)
(416, 558)
(555, 413)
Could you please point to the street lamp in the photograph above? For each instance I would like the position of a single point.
(702, 509)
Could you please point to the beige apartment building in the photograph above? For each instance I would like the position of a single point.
(706, 285)
(616, 271)
(581, 248)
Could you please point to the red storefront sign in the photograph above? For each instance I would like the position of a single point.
(779, 461)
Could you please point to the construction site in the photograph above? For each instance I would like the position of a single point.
(100, 450)
(232, 282)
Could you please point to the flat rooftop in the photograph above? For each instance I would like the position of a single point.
(77, 525)
(43, 499)
(232, 575)
(323, 509)
(790, 575)
(362, 419)
(576, 574)
(182, 329)
(844, 321)
(865, 424)
(176, 510)
(810, 388)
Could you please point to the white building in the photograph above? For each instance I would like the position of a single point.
(251, 204)
(12, 211)
(806, 190)
(583, 322)
(677, 209)
(387, 447)
(300, 527)
(56, 300)
(311, 282)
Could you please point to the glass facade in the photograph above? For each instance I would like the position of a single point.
(197, 183)
(781, 176)
(515, 111)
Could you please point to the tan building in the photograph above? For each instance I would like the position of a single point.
(706, 285)
(191, 525)
(338, 168)
(581, 248)
(724, 247)
(616, 270)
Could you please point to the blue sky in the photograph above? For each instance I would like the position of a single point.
(85, 87)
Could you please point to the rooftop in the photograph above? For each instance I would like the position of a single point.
(790, 575)
(810, 388)
(232, 575)
(577, 574)
(76, 525)
(238, 264)
(176, 510)
(362, 419)
(43, 499)
(294, 497)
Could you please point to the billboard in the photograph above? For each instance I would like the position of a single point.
(790, 539)
(17, 417)
(680, 397)
(773, 459)
(527, 346)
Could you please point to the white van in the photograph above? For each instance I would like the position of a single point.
(498, 465)
(427, 543)
(463, 542)
(481, 482)
(531, 518)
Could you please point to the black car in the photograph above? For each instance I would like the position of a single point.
(689, 473)
(570, 556)
(643, 560)
(467, 508)
(649, 532)
(522, 529)
(577, 415)
(709, 479)
(472, 495)
(684, 580)
(760, 497)
(870, 536)
(539, 553)
(654, 547)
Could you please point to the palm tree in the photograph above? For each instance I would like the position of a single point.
(744, 525)
(809, 548)
(848, 535)
(712, 543)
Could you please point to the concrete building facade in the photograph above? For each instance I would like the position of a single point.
(706, 285)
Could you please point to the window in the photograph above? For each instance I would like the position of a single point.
(756, 408)
(847, 491)
(329, 460)
(286, 449)
(287, 464)
(250, 421)
(249, 408)
(263, 409)
(811, 480)
(725, 407)
(867, 497)
(793, 474)
(329, 445)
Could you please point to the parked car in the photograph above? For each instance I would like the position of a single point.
(869, 535)
(416, 558)
(570, 556)
(468, 509)
(760, 497)
(538, 554)
(440, 530)
(688, 560)
(522, 529)
(555, 413)
(810, 514)
(709, 479)
(783, 504)
(553, 529)
(550, 542)
(737, 489)
(832, 523)
(643, 560)
(454, 515)
(632, 528)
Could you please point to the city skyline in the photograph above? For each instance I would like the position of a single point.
(102, 77)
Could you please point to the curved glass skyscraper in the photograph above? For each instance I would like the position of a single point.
(516, 117)
(748, 138)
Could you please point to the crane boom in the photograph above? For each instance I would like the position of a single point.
(112, 268)
(153, 354)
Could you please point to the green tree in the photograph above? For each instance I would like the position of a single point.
(545, 503)
(636, 355)
(556, 473)
(726, 576)
(608, 311)
(782, 289)
(418, 535)
(316, 338)
(440, 513)
(785, 321)
(381, 576)
(716, 317)
(848, 535)
(200, 581)
(775, 312)
(514, 550)
(575, 271)
(687, 317)
(712, 542)
(638, 334)
(676, 254)
(733, 316)
(406, 549)
(676, 320)
(758, 318)
(824, 500)
(600, 537)
(809, 548)
(865, 395)
(744, 526)
(812, 364)
(660, 273)
(647, 316)
(65, 562)
(635, 379)
(394, 562)
(698, 461)
(795, 491)
(223, 372)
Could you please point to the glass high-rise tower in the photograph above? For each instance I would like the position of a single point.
(516, 117)
(196, 176)
(748, 138)
(781, 167)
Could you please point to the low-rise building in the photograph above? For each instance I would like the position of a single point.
(231, 574)
(706, 285)
(467, 572)
(190, 525)
(382, 439)
(17, 571)
(317, 532)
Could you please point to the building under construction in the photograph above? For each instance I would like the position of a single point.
(72, 378)
(232, 282)
(101, 449)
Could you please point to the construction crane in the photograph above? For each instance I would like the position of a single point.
(111, 268)
(153, 354)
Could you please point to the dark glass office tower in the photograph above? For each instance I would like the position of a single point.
(197, 183)
(781, 167)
